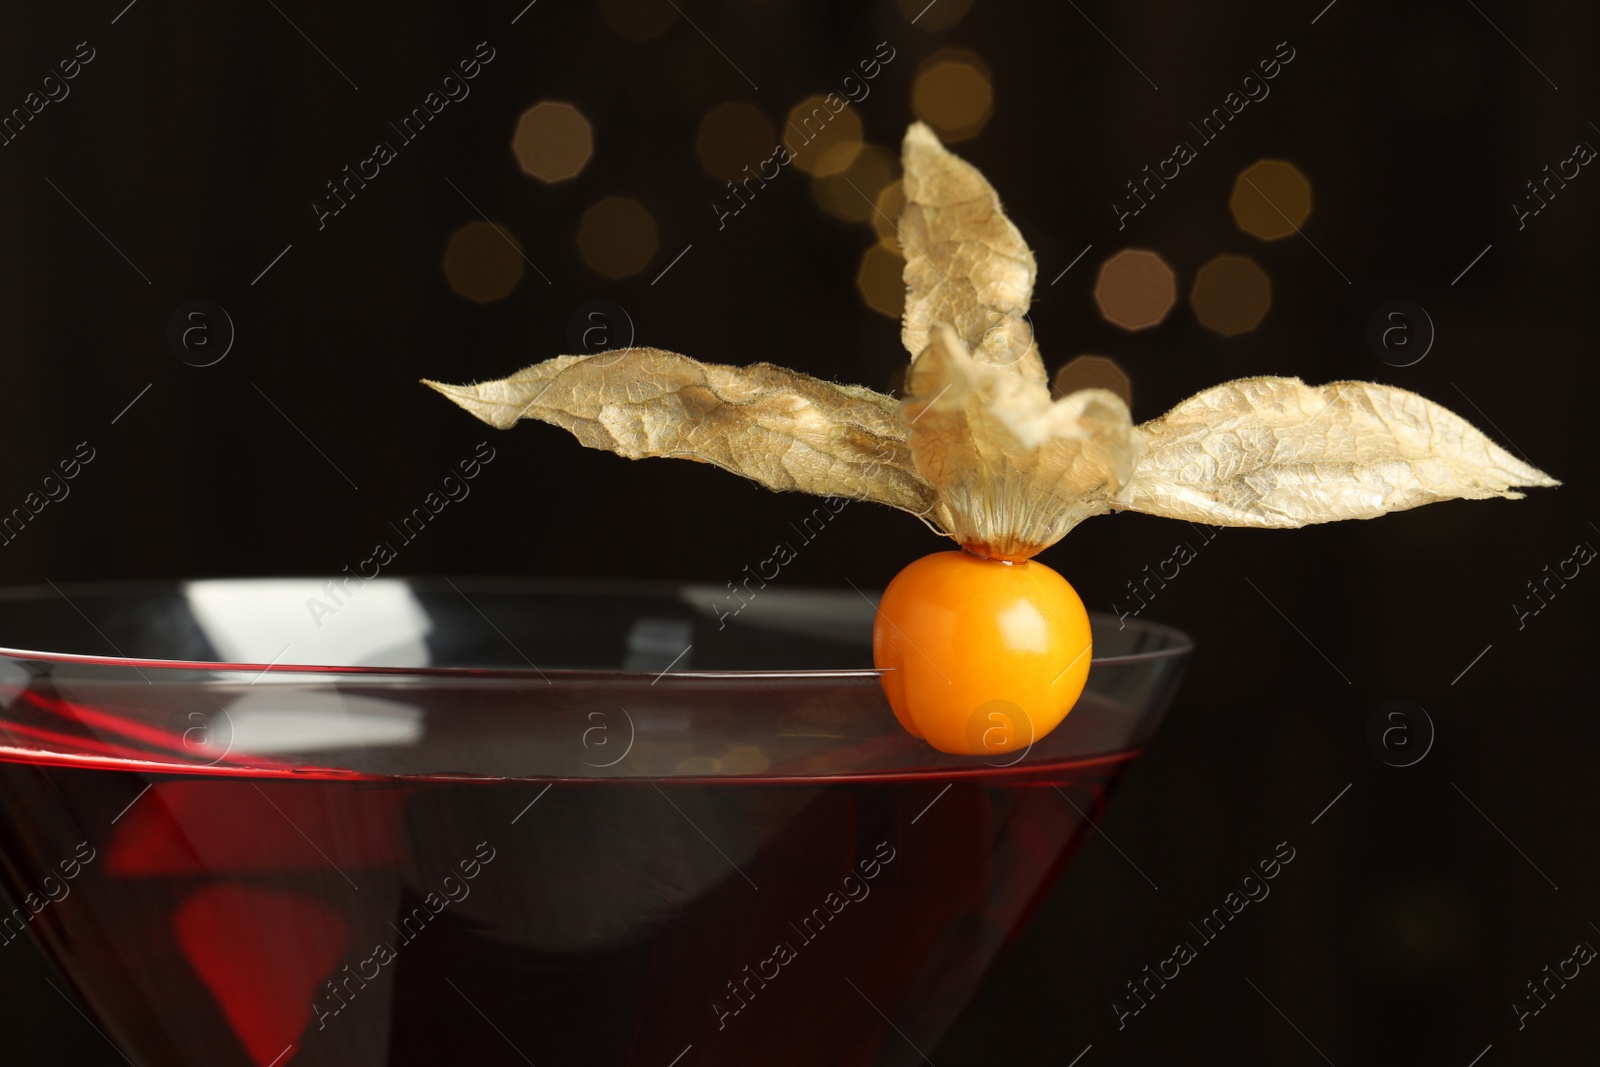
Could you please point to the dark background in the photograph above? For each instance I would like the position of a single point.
(198, 136)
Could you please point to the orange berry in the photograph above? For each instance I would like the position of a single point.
(980, 656)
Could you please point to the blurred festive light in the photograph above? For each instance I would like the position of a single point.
(852, 194)
(617, 236)
(638, 20)
(935, 15)
(953, 93)
(885, 218)
(734, 140)
(823, 140)
(482, 262)
(553, 141)
(880, 281)
(1231, 295)
(1093, 372)
(1271, 199)
(1136, 289)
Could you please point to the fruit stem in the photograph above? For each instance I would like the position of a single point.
(985, 552)
(988, 552)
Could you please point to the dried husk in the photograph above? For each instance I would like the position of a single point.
(967, 266)
(1277, 453)
(778, 427)
(1014, 470)
(978, 450)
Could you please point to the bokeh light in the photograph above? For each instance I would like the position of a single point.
(1093, 372)
(638, 20)
(1136, 289)
(821, 140)
(482, 262)
(954, 94)
(617, 236)
(734, 141)
(852, 194)
(553, 141)
(934, 15)
(1271, 198)
(1231, 295)
(881, 282)
(885, 219)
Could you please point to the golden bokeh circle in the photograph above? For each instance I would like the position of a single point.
(954, 94)
(1092, 372)
(1135, 289)
(482, 262)
(852, 194)
(1231, 295)
(617, 236)
(886, 214)
(553, 141)
(880, 280)
(1270, 199)
(823, 138)
(733, 142)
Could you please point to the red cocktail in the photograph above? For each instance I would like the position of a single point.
(416, 863)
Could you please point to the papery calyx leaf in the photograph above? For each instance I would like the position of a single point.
(1014, 471)
(978, 450)
(1275, 453)
(778, 427)
(967, 266)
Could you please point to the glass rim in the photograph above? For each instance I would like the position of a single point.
(1180, 644)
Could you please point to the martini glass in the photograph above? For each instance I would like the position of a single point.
(270, 822)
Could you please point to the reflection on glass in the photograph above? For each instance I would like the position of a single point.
(265, 721)
(344, 620)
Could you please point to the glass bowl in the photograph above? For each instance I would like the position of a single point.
(271, 822)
